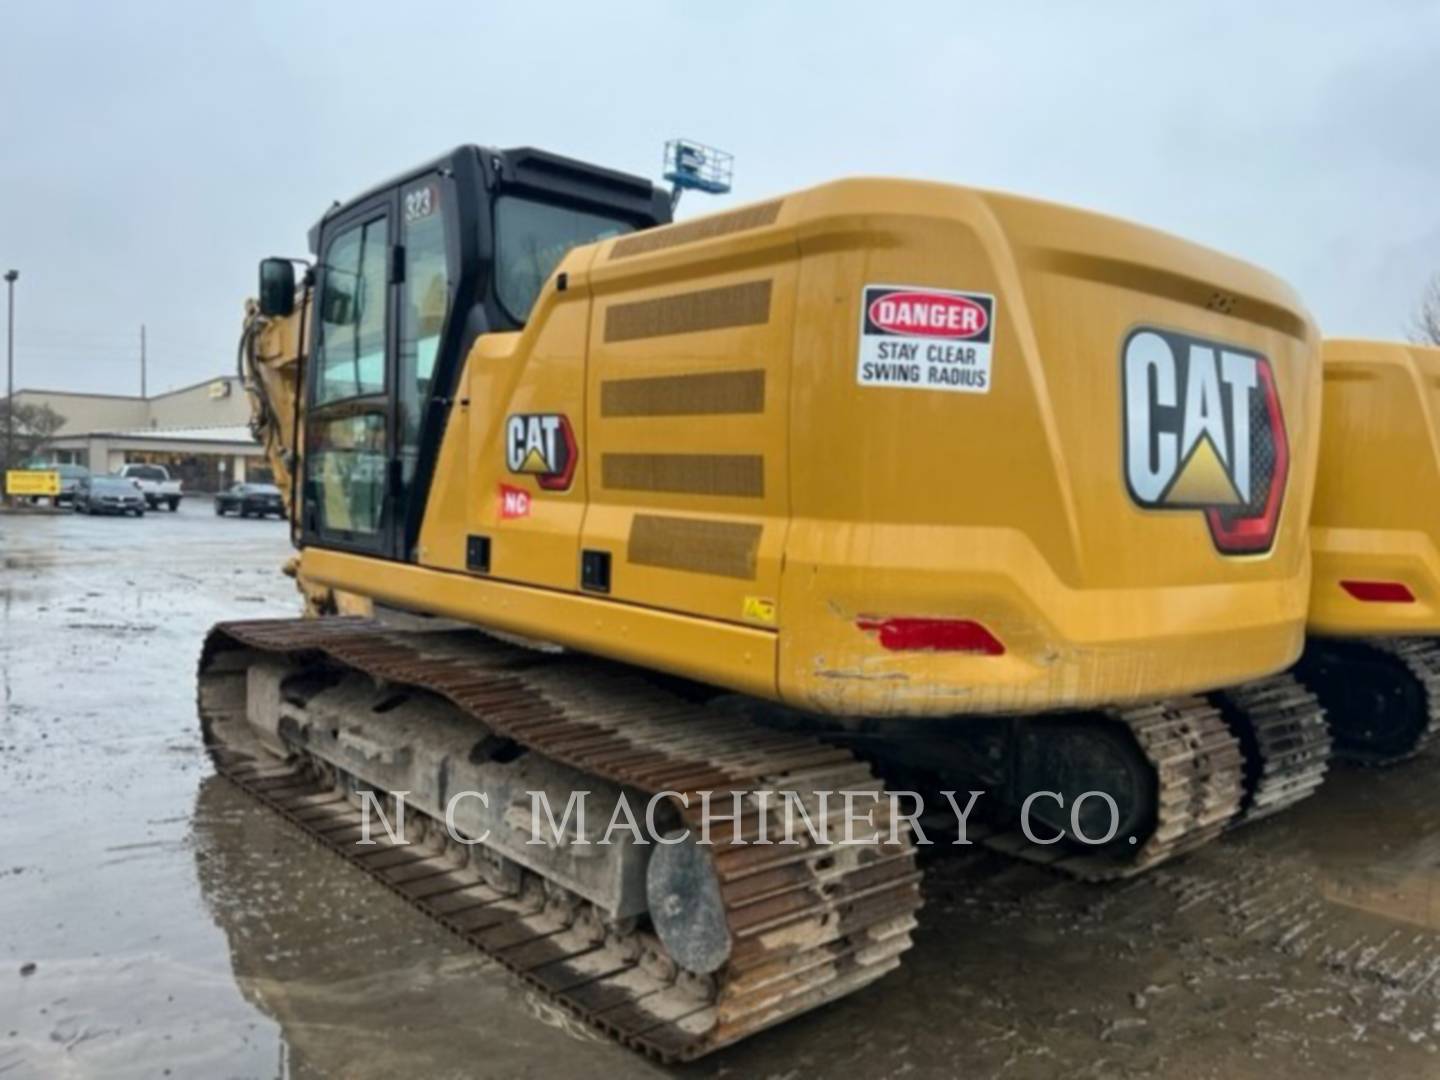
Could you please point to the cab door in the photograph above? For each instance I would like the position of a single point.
(349, 420)
(385, 288)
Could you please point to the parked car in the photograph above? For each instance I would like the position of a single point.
(108, 495)
(70, 475)
(250, 499)
(154, 483)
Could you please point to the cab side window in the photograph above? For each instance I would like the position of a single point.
(351, 346)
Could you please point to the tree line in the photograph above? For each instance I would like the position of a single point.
(35, 428)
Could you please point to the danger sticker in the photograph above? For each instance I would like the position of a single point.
(925, 339)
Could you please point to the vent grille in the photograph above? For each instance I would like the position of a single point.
(723, 548)
(716, 393)
(746, 304)
(685, 474)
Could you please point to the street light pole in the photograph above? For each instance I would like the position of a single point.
(10, 276)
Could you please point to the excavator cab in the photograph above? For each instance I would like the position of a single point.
(408, 275)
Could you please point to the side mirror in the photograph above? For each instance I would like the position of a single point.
(277, 287)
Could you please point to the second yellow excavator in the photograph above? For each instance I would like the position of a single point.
(876, 474)
(1373, 657)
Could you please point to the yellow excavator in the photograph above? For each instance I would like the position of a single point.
(1372, 657)
(878, 479)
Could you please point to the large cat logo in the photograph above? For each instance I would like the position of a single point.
(1204, 431)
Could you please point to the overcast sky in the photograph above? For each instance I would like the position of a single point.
(151, 153)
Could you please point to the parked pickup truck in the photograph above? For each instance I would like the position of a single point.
(154, 483)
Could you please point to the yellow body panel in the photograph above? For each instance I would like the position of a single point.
(530, 372)
(738, 657)
(1377, 495)
(761, 508)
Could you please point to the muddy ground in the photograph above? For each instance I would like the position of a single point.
(177, 930)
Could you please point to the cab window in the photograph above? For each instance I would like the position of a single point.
(530, 240)
(424, 304)
(351, 346)
(427, 280)
(346, 461)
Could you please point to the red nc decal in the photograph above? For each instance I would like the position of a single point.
(514, 503)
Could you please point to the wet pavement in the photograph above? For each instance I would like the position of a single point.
(177, 930)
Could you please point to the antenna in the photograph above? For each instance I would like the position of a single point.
(690, 165)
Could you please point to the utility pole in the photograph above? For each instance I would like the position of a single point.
(10, 276)
(142, 360)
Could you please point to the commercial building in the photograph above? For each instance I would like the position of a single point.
(198, 432)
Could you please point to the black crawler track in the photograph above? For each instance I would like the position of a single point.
(808, 924)
(1381, 695)
(1200, 786)
(1236, 757)
(1281, 729)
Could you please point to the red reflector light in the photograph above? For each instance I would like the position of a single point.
(933, 635)
(1379, 592)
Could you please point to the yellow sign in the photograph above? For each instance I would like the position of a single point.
(32, 482)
